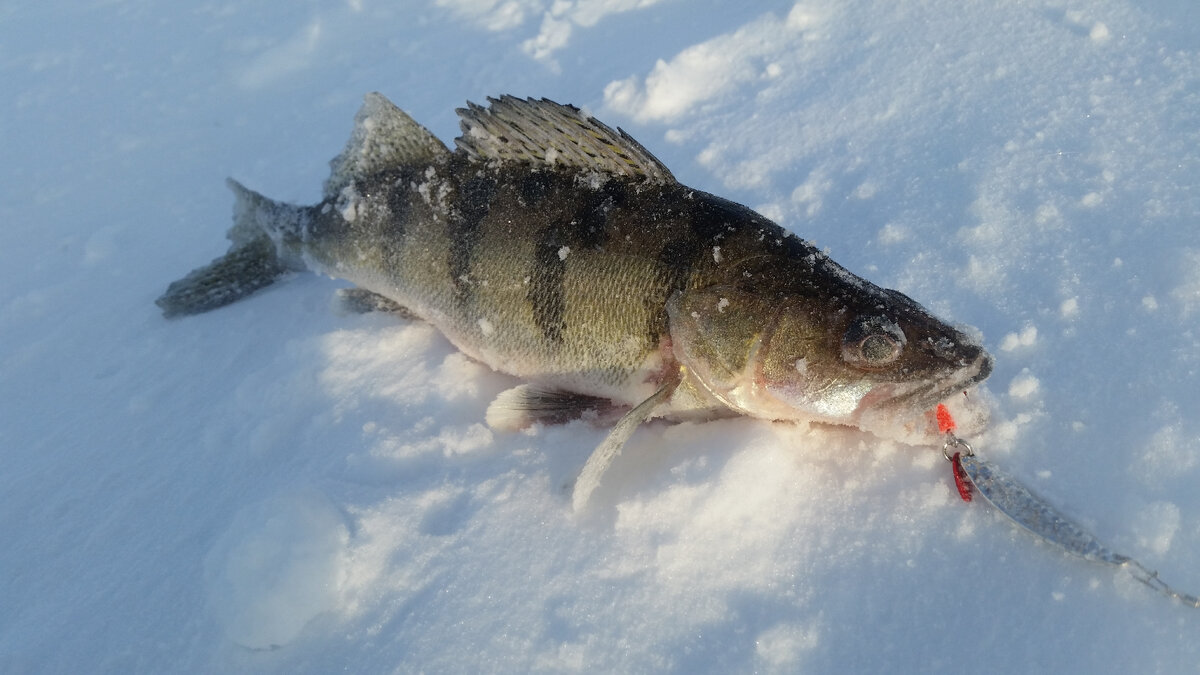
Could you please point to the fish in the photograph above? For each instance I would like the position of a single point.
(558, 250)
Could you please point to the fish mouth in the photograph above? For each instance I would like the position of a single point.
(923, 397)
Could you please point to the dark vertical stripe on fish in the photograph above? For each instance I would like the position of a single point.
(589, 229)
(547, 293)
(471, 206)
(676, 259)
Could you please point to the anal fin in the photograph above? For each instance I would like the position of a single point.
(517, 408)
(362, 301)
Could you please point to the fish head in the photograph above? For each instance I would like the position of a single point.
(862, 356)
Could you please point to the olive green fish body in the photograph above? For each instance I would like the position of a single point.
(556, 249)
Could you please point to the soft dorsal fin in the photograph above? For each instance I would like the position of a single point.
(384, 136)
(551, 134)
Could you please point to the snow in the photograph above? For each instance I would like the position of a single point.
(1027, 337)
(1023, 385)
(273, 487)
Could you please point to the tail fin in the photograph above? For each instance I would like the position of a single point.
(251, 263)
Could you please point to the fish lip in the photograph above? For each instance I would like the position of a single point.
(927, 396)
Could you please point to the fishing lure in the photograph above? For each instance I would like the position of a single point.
(1035, 514)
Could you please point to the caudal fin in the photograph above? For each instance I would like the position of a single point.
(231, 277)
(251, 263)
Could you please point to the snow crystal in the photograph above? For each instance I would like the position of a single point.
(1157, 524)
(1023, 385)
(1167, 453)
(811, 193)
(1025, 338)
(561, 18)
(474, 438)
(348, 203)
(893, 233)
(1187, 293)
(564, 252)
(554, 35)
(784, 645)
(866, 190)
(1069, 308)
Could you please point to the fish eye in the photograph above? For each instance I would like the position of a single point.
(879, 349)
(872, 342)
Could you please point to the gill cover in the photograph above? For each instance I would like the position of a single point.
(716, 333)
(810, 365)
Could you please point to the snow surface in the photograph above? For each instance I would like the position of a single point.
(276, 487)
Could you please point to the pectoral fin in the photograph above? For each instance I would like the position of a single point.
(608, 450)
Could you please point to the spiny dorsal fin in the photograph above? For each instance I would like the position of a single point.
(384, 136)
(551, 134)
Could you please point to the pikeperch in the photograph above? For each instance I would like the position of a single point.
(553, 248)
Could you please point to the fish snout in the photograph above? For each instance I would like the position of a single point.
(975, 365)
